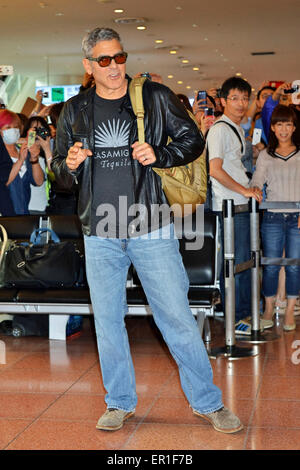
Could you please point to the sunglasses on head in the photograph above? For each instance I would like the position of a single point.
(105, 60)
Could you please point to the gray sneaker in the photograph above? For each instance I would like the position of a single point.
(222, 420)
(113, 419)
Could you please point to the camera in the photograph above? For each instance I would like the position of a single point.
(292, 90)
(45, 94)
(218, 93)
(42, 132)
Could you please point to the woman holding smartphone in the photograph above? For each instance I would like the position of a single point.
(25, 168)
(279, 167)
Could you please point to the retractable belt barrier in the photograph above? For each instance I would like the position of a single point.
(257, 336)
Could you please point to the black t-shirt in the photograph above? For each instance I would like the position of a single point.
(112, 173)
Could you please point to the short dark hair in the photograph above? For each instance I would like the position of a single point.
(55, 111)
(264, 88)
(281, 113)
(235, 83)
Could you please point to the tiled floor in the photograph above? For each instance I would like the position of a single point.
(51, 395)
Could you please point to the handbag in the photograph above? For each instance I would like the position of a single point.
(37, 265)
(184, 185)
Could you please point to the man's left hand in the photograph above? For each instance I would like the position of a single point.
(144, 153)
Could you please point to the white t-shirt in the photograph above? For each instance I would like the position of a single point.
(223, 143)
(38, 200)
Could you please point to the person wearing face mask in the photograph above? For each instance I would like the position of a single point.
(25, 169)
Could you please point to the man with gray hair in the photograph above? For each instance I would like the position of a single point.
(97, 146)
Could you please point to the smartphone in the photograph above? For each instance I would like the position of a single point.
(31, 138)
(256, 138)
(209, 112)
(201, 96)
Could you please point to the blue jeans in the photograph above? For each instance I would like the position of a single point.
(280, 231)
(160, 269)
(242, 253)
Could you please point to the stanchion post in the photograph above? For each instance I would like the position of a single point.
(255, 252)
(230, 350)
(256, 336)
(228, 217)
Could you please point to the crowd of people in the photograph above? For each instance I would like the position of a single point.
(242, 165)
(38, 177)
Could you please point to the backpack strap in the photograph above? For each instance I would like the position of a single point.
(235, 131)
(136, 98)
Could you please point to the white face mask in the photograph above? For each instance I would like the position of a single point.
(11, 136)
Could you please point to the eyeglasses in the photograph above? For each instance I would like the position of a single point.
(235, 99)
(105, 60)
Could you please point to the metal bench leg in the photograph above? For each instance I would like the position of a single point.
(200, 320)
(203, 325)
(207, 332)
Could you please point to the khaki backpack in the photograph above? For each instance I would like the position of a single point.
(183, 185)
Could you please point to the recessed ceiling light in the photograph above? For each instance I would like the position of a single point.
(178, 8)
(170, 76)
(141, 28)
(196, 68)
(180, 82)
(118, 10)
(59, 14)
(159, 41)
(185, 61)
(172, 51)
(188, 87)
(238, 74)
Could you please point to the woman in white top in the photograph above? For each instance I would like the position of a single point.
(279, 167)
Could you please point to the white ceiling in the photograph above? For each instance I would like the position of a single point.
(43, 39)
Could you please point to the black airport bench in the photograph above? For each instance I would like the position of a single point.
(59, 304)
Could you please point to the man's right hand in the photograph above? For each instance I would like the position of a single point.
(77, 155)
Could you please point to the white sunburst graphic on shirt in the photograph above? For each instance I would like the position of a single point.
(113, 134)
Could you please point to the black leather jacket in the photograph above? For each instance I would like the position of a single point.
(165, 117)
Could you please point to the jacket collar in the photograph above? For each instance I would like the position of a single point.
(88, 96)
